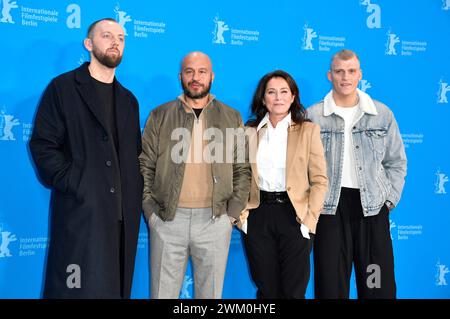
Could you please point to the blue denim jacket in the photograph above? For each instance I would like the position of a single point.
(378, 149)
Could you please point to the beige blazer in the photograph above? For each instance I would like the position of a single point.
(306, 176)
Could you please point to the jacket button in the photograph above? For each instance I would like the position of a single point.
(112, 190)
(357, 146)
(108, 163)
(360, 168)
(105, 137)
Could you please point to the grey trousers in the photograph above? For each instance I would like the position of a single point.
(193, 232)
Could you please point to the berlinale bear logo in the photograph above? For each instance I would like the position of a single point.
(219, 28)
(7, 237)
(6, 15)
(7, 122)
(309, 35)
(122, 18)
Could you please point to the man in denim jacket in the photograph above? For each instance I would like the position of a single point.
(366, 167)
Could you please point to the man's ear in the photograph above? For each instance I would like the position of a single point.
(88, 44)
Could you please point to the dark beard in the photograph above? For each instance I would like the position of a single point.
(107, 60)
(197, 96)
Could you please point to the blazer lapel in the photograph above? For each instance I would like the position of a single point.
(253, 144)
(293, 139)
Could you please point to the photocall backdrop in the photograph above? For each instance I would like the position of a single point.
(404, 50)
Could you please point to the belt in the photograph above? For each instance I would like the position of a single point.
(273, 197)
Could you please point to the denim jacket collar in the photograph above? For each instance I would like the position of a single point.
(366, 104)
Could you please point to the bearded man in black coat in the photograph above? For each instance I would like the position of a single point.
(85, 145)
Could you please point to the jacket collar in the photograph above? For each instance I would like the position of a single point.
(186, 105)
(83, 76)
(285, 122)
(366, 104)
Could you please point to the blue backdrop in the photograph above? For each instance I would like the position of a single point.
(404, 48)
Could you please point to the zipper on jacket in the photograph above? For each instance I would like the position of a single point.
(205, 126)
(214, 187)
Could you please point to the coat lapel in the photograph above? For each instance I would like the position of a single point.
(87, 93)
(122, 100)
(253, 149)
(253, 140)
(293, 139)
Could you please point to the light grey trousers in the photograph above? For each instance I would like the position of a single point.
(193, 232)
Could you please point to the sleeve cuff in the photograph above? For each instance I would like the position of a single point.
(149, 208)
(235, 208)
(310, 222)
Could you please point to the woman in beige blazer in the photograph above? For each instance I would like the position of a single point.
(287, 191)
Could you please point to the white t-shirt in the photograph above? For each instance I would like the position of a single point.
(349, 168)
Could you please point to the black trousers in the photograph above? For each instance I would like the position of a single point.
(277, 253)
(349, 237)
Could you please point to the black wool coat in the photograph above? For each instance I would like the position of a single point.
(91, 186)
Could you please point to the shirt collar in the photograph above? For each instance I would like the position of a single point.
(285, 122)
(366, 104)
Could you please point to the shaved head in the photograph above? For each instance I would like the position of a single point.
(196, 56)
(92, 27)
